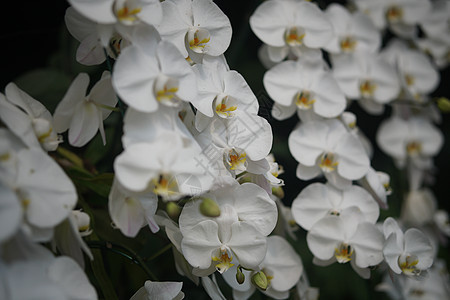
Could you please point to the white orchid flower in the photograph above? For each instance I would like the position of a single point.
(327, 147)
(83, 114)
(222, 92)
(415, 138)
(240, 229)
(30, 271)
(282, 267)
(409, 253)
(248, 201)
(378, 185)
(126, 12)
(164, 167)
(28, 119)
(237, 145)
(159, 291)
(318, 200)
(417, 75)
(432, 286)
(366, 77)
(437, 47)
(211, 245)
(44, 203)
(303, 86)
(419, 207)
(345, 239)
(400, 15)
(146, 76)
(90, 51)
(353, 32)
(195, 27)
(442, 221)
(130, 211)
(290, 26)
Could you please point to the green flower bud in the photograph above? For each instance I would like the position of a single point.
(444, 104)
(240, 277)
(260, 280)
(278, 191)
(173, 210)
(209, 208)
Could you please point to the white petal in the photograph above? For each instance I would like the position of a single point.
(50, 202)
(209, 16)
(133, 79)
(248, 244)
(368, 244)
(84, 124)
(325, 236)
(97, 11)
(200, 243)
(66, 108)
(71, 278)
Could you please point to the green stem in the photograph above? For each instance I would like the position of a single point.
(167, 247)
(121, 250)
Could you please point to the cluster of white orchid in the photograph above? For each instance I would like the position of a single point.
(340, 217)
(196, 159)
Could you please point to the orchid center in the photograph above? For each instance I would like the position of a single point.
(348, 44)
(165, 186)
(304, 100)
(223, 260)
(198, 40)
(367, 88)
(394, 14)
(408, 264)
(328, 162)
(127, 11)
(343, 253)
(413, 148)
(165, 89)
(225, 106)
(236, 160)
(409, 79)
(335, 212)
(294, 36)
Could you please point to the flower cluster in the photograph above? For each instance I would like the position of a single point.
(341, 215)
(195, 164)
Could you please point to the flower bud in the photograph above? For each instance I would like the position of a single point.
(209, 208)
(260, 280)
(444, 104)
(240, 277)
(278, 191)
(173, 210)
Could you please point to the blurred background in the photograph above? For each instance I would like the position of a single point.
(38, 54)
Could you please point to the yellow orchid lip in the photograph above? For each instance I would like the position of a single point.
(165, 186)
(294, 36)
(303, 100)
(348, 44)
(327, 162)
(224, 261)
(367, 88)
(127, 14)
(198, 39)
(408, 264)
(344, 253)
(394, 14)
